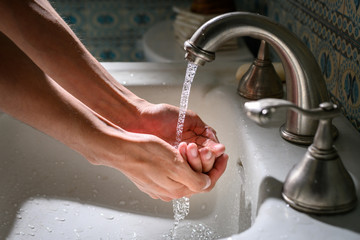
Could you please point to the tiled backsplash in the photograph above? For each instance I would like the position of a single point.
(112, 29)
(331, 29)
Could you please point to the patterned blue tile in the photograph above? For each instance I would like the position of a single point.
(111, 29)
(333, 5)
(353, 10)
(349, 79)
(335, 26)
(328, 62)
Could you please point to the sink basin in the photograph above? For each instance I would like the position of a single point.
(48, 191)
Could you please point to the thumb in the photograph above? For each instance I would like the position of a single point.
(194, 181)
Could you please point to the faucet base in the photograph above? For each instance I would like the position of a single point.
(320, 183)
(310, 209)
(261, 80)
(303, 139)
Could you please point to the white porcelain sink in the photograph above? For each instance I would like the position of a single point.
(47, 191)
(50, 192)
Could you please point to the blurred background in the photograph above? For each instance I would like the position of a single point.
(113, 30)
(154, 30)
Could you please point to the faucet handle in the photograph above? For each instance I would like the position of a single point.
(319, 183)
(261, 111)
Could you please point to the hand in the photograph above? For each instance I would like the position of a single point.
(161, 120)
(153, 165)
(200, 148)
(204, 161)
(200, 160)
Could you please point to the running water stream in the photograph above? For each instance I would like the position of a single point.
(181, 206)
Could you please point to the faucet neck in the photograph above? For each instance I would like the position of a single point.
(304, 81)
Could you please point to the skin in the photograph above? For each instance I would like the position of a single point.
(50, 81)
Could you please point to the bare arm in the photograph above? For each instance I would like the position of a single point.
(28, 94)
(41, 35)
(36, 28)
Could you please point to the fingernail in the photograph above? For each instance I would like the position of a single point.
(208, 183)
(208, 155)
(219, 147)
(194, 152)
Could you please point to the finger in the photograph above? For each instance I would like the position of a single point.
(211, 134)
(195, 182)
(217, 148)
(194, 157)
(218, 169)
(207, 159)
(165, 198)
(164, 194)
(182, 149)
(177, 193)
(165, 189)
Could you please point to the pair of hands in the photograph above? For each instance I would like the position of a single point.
(83, 119)
(194, 167)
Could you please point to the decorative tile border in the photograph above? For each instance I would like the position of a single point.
(331, 30)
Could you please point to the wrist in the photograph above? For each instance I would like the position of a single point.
(114, 102)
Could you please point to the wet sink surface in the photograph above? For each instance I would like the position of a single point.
(47, 191)
(50, 192)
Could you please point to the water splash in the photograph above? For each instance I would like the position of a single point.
(181, 206)
(191, 231)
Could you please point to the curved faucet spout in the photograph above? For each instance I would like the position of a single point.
(305, 84)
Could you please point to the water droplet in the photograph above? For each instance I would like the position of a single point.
(108, 217)
(60, 219)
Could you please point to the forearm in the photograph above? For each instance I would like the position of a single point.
(32, 97)
(40, 32)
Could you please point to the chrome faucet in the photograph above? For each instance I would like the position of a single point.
(319, 183)
(305, 85)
